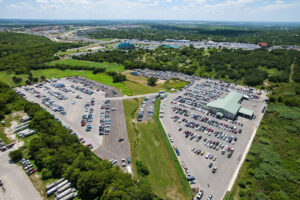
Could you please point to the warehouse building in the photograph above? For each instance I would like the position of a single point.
(229, 106)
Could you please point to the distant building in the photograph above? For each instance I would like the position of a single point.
(126, 46)
(171, 46)
(263, 44)
(229, 106)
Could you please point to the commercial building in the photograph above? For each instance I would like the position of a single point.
(126, 46)
(229, 106)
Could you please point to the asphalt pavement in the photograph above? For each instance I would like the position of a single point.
(16, 184)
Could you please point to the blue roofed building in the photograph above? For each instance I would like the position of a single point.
(170, 46)
(126, 46)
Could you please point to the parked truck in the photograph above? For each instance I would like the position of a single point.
(48, 187)
(54, 189)
(70, 196)
(63, 188)
(65, 193)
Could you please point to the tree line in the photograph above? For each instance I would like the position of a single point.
(20, 52)
(251, 67)
(230, 34)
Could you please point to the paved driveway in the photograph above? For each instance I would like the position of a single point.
(16, 184)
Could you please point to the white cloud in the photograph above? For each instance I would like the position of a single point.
(246, 10)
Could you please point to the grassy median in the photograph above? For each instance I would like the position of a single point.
(147, 144)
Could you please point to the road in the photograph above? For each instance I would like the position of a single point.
(132, 97)
(16, 184)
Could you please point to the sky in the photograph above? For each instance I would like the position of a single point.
(202, 10)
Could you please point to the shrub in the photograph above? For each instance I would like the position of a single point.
(251, 171)
(242, 192)
(16, 155)
(46, 174)
(141, 168)
(242, 184)
(152, 81)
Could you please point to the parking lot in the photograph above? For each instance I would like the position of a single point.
(87, 110)
(210, 149)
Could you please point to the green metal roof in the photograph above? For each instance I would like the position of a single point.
(230, 103)
(246, 111)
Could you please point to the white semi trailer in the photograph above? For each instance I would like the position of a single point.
(54, 189)
(48, 187)
(65, 193)
(63, 188)
(69, 196)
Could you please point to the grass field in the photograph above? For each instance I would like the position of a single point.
(139, 84)
(65, 53)
(108, 66)
(147, 144)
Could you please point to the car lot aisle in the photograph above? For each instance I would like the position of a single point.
(16, 184)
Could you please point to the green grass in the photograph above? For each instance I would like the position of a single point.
(138, 85)
(108, 66)
(174, 83)
(147, 143)
(65, 53)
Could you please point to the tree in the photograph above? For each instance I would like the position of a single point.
(35, 80)
(16, 80)
(152, 81)
(16, 155)
(141, 168)
(43, 78)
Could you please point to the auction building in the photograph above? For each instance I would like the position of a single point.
(229, 106)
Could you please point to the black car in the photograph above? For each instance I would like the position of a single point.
(121, 139)
(210, 165)
(1, 183)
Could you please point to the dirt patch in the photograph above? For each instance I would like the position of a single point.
(160, 81)
(174, 194)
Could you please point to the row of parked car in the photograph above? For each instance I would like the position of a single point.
(47, 101)
(28, 167)
(83, 90)
(142, 108)
(105, 121)
(58, 95)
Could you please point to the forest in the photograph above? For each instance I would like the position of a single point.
(161, 32)
(20, 52)
(249, 67)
